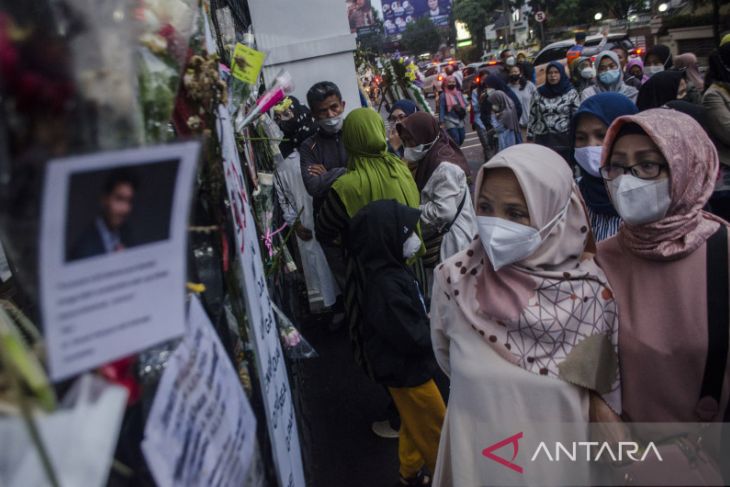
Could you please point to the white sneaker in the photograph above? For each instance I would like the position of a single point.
(383, 430)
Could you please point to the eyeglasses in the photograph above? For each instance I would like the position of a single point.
(643, 170)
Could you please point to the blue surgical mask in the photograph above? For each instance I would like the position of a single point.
(609, 77)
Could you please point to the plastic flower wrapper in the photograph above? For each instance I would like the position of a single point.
(158, 83)
(295, 345)
(39, 120)
(102, 52)
(263, 200)
(164, 27)
(282, 86)
(171, 21)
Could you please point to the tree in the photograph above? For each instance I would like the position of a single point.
(421, 36)
(476, 14)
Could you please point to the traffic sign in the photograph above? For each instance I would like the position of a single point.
(540, 16)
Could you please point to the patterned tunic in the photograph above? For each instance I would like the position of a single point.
(552, 115)
(603, 226)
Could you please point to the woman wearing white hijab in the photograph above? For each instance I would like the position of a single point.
(609, 78)
(523, 322)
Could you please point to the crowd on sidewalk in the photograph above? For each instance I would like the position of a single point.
(592, 244)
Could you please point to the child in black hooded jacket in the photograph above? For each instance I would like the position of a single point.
(394, 339)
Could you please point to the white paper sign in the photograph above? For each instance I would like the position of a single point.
(274, 381)
(112, 253)
(201, 429)
(79, 438)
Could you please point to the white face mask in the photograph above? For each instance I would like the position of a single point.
(589, 159)
(490, 91)
(507, 242)
(640, 201)
(588, 73)
(415, 154)
(652, 70)
(411, 246)
(510, 61)
(332, 125)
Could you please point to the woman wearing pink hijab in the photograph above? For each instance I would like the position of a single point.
(668, 267)
(452, 110)
(523, 322)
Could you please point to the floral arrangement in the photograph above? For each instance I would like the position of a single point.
(161, 56)
(399, 81)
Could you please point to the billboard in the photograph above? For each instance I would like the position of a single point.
(397, 14)
(360, 15)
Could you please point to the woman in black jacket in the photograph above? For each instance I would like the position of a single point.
(394, 334)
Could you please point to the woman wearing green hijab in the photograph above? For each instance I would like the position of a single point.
(372, 174)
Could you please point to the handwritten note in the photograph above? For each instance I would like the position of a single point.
(201, 428)
(280, 412)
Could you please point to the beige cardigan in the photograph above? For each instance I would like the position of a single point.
(717, 103)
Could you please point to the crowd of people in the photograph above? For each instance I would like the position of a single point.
(594, 242)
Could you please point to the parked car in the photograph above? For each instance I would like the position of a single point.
(475, 72)
(557, 51)
(434, 76)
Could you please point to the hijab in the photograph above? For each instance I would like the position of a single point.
(663, 53)
(660, 89)
(496, 83)
(372, 173)
(553, 91)
(297, 129)
(719, 67)
(688, 63)
(507, 114)
(424, 129)
(453, 96)
(552, 314)
(636, 61)
(407, 106)
(618, 86)
(579, 81)
(606, 107)
(693, 165)
(377, 233)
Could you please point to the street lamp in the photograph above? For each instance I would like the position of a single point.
(598, 16)
(663, 7)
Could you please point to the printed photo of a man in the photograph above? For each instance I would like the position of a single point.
(110, 231)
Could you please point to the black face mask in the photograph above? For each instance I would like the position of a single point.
(514, 78)
(451, 87)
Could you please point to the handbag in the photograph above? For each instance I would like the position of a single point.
(459, 111)
(432, 242)
(685, 461)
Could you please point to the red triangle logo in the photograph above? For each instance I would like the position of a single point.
(512, 440)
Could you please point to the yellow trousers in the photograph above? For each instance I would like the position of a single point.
(422, 412)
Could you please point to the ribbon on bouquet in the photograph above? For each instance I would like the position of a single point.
(268, 238)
